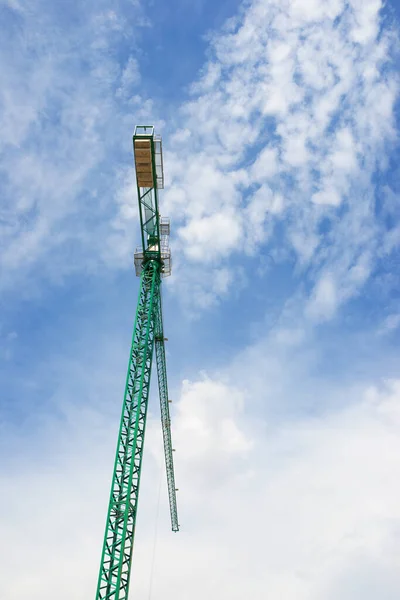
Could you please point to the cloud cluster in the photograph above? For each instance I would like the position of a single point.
(287, 125)
(66, 119)
(288, 481)
(308, 509)
(274, 151)
(313, 503)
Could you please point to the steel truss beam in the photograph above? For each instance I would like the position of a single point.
(113, 582)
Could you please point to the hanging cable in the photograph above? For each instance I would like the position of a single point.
(155, 538)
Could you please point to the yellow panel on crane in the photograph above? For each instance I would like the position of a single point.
(143, 163)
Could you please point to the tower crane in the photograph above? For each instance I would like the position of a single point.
(152, 262)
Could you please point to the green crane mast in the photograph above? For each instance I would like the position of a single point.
(152, 262)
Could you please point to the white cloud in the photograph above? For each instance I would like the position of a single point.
(265, 165)
(332, 289)
(390, 324)
(202, 289)
(61, 123)
(130, 78)
(302, 509)
(325, 300)
(296, 153)
(207, 237)
(308, 508)
(296, 98)
(287, 484)
(328, 196)
(302, 102)
(212, 445)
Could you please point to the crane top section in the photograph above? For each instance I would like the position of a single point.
(148, 157)
(147, 149)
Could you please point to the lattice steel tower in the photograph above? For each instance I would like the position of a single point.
(152, 262)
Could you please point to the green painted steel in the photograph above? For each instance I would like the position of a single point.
(165, 416)
(116, 559)
(122, 511)
(148, 207)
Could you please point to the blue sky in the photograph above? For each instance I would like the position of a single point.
(280, 131)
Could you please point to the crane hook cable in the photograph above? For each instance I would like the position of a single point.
(155, 537)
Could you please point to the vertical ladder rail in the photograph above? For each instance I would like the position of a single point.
(165, 416)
